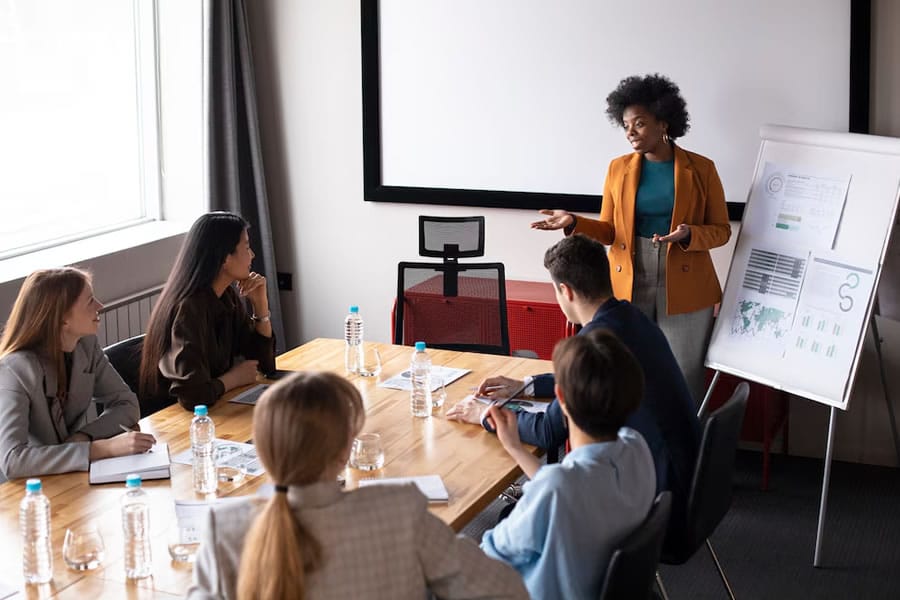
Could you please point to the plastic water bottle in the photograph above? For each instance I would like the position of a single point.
(203, 434)
(136, 529)
(34, 522)
(353, 341)
(420, 377)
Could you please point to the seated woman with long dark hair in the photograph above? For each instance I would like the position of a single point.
(201, 340)
(53, 374)
(313, 540)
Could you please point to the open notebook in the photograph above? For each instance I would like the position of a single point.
(153, 464)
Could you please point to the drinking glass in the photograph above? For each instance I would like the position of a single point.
(183, 542)
(229, 463)
(367, 453)
(439, 393)
(371, 362)
(83, 548)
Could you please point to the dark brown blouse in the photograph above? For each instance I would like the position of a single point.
(208, 335)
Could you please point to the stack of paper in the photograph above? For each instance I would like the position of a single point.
(153, 464)
(430, 485)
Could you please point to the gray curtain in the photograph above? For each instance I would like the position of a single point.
(236, 179)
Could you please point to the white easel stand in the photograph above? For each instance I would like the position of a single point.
(823, 502)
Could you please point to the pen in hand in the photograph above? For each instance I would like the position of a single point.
(128, 430)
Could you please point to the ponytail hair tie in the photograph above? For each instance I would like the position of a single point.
(280, 489)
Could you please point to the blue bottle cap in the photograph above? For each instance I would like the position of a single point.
(200, 410)
(354, 309)
(420, 346)
(133, 480)
(33, 485)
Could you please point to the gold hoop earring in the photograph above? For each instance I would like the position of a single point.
(666, 138)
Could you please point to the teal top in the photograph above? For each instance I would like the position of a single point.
(655, 198)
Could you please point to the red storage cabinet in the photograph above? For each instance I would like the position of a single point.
(535, 319)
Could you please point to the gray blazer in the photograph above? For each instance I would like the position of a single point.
(378, 543)
(29, 444)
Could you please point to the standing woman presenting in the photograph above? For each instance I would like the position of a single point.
(663, 210)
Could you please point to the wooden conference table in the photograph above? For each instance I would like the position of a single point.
(473, 465)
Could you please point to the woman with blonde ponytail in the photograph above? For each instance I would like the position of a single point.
(312, 540)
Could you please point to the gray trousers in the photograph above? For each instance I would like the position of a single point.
(688, 333)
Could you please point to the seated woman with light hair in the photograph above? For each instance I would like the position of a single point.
(313, 540)
(53, 374)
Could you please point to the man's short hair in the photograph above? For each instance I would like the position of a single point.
(600, 380)
(580, 262)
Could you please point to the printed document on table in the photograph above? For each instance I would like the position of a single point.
(7, 591)
(191, 515)
(522, 405)
(830, 315)
(228, 453)
(798, 207)
(401, 381)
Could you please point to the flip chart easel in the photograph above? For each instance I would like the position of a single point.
(802, 284)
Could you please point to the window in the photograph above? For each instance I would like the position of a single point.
(79, 128)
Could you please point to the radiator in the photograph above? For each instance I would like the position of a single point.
(127, 317)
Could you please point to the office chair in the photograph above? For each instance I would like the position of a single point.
(125, 357)
(631, 569)
(711, 487)
(452, 305)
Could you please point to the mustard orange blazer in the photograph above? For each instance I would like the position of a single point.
(691, 282)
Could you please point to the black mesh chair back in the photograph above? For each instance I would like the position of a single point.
(711, 491)
(451, 237)
(632, 567)
(452, 306)
(712, 487)
(125, 357)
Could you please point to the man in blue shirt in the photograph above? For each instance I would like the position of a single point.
(572, 515)
(666, 416)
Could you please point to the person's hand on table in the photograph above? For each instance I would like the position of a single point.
(243, 373)
(505, 423)
(466, 411)
(556, 219)
(682, 233)
(497, 387)
(124, 444)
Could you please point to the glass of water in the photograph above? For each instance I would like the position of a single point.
(367, 453)
(83, 548)
(184, 542)
(371, 360)
(439, 393)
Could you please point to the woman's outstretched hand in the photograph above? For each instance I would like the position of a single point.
(556, 219)
(681, 233)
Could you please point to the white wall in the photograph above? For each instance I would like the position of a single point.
(343, 250)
